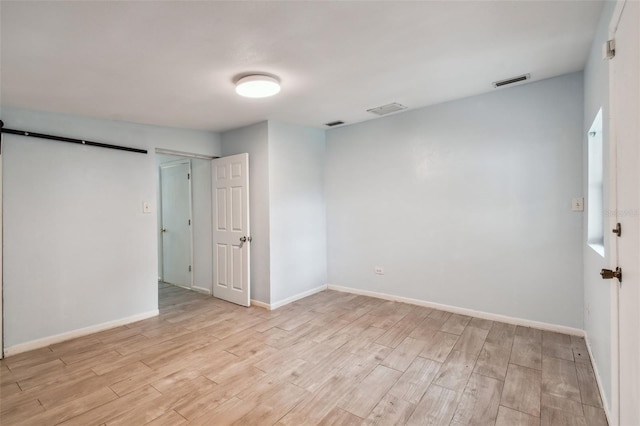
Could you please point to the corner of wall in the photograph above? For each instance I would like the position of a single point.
(253, 139)
(296, 201)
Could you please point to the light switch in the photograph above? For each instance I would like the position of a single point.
(577, 204)
(146, 207)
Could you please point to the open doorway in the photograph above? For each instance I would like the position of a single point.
(184, 219)
(176, 236)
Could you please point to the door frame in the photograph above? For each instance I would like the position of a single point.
(184, 155)
(161, 257)
(1, 260)
(610, 224)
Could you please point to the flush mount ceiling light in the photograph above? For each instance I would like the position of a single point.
(257, 86)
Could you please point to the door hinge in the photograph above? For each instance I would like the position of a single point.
(188, 176)
(617, 230)
(189, 222)
(609, 49)
(189, 268)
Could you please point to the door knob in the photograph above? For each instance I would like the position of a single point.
(243, 239)
(608, 274)
(163, 230)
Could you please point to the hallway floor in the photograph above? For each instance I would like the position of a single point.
(331, 358)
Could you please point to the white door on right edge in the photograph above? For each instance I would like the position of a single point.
(625, 73)
(231, 237)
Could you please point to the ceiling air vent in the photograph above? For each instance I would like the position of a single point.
(387, 109)
(334, 123)
(511, 80)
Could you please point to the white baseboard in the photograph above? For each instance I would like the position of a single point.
(298, 296)
(603, 396)
(463, 311)
(276, 305)
(260, 304)
(201, 290)
(68, 335)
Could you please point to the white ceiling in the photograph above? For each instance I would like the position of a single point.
(174, 63)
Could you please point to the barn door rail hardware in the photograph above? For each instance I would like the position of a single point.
(69, 140)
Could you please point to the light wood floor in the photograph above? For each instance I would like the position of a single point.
(332, 358)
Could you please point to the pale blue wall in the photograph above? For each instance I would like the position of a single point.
(297, 210)
(466, 203)
(78, 251)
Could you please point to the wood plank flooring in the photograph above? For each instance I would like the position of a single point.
(331, 358)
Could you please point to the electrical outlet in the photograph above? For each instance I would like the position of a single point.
(378, 270)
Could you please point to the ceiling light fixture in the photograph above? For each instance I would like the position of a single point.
(257, 86)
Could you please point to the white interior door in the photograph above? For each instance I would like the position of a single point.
(625, 115)
(231, 237)
(175, 192)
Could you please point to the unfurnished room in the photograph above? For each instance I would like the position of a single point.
(320, 212)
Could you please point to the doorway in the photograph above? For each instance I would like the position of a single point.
(218, 224)
(184, 221)
(176, 236)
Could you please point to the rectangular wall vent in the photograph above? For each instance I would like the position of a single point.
(334, 123)
(511, 80)
(387, 109)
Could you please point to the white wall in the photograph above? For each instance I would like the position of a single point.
(78, 251)
(466, 203)
(597, 312)
(202, 264)
(253, 140)
(297, 210)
